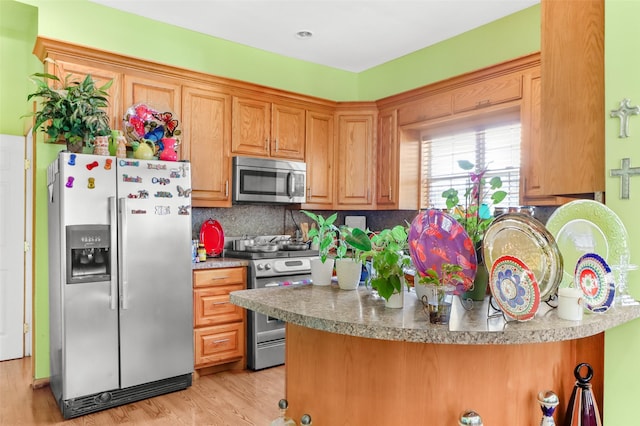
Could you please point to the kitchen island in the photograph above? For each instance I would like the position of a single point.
(351, 360)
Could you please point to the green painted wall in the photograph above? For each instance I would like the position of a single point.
(507, 38)
(18, 29)
(132, 35)
(622, 68)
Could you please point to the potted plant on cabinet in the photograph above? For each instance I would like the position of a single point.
(388, 260)
(440, 291)
(323, 236)
(475, 216)
(71, 111)
(349, 268)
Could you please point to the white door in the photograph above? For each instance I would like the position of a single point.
(12, 213)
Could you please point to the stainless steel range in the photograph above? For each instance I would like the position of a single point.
(273, 262)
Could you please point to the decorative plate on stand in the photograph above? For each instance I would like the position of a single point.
(514, 288)
(587, 226)
(594, 278)
(526, 238)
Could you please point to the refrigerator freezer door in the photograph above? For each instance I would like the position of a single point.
(156, 302)
(89, 345)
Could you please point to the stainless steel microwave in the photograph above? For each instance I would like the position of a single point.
(264, 180)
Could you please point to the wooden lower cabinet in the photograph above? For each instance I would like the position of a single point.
(219, 326)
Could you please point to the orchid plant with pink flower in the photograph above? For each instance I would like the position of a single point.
(475, 214)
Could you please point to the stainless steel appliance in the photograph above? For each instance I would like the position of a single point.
(290, 264)
(120, 293)
(263, 180)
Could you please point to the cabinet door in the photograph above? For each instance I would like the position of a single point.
(101, 76)
(354, 156)
(219, 344)
(487, 93)
(531, 158)
(287, 132)
(432, 106)
(387, 161)
(163, 94)
(206, 142)
(251, 126)
(572, 64)
(211, 305)
(320, 148)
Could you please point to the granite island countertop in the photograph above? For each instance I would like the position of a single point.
(362, 313)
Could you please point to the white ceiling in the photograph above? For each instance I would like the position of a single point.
(352, 35)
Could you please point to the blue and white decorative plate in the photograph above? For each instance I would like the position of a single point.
(594, 278)
(514, 288)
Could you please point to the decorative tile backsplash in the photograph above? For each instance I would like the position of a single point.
(255, 220)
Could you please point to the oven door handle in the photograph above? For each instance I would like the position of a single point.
(272, 284)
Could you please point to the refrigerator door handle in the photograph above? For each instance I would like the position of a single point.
(113, 221)
(122, 271)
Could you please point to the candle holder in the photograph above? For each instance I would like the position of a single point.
(622, 297)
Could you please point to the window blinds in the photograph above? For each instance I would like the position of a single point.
(497, 147)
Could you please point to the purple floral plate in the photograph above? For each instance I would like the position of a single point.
(514, 287)
(593, 277)
(436, 238)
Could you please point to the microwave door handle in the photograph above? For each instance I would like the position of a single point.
(291, 184)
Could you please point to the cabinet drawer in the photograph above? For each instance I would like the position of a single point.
(425, 109)
(211, 305)
(219, 344)
(222, 276)
(487, 93)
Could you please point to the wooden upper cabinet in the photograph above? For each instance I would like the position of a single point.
(251, 126)
(387, 160)
(355, 160)
(101, 76)
(266, 129)
(430, 107)
(206, 143)
(572, 102)
(532, 160)
(320, 159)
(287, 132)
(163, 94)
(486, 93)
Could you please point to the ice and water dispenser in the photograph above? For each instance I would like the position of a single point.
(88, 254)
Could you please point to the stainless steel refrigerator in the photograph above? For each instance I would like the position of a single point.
(120, 293)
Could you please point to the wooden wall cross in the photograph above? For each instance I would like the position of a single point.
(625, 111)
(624, 173)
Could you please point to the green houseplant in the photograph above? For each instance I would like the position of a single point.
(439, 291)
(388, 260)
(70, 110)
(475, 216)
(322, 236)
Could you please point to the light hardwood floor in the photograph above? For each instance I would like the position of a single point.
(227, 398)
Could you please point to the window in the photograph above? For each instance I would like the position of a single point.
(495, 144)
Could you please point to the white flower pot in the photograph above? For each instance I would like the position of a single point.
(321, 272)
(348, 272)
(396, 301)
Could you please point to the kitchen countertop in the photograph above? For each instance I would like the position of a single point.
(361, 313)
(220, 262)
